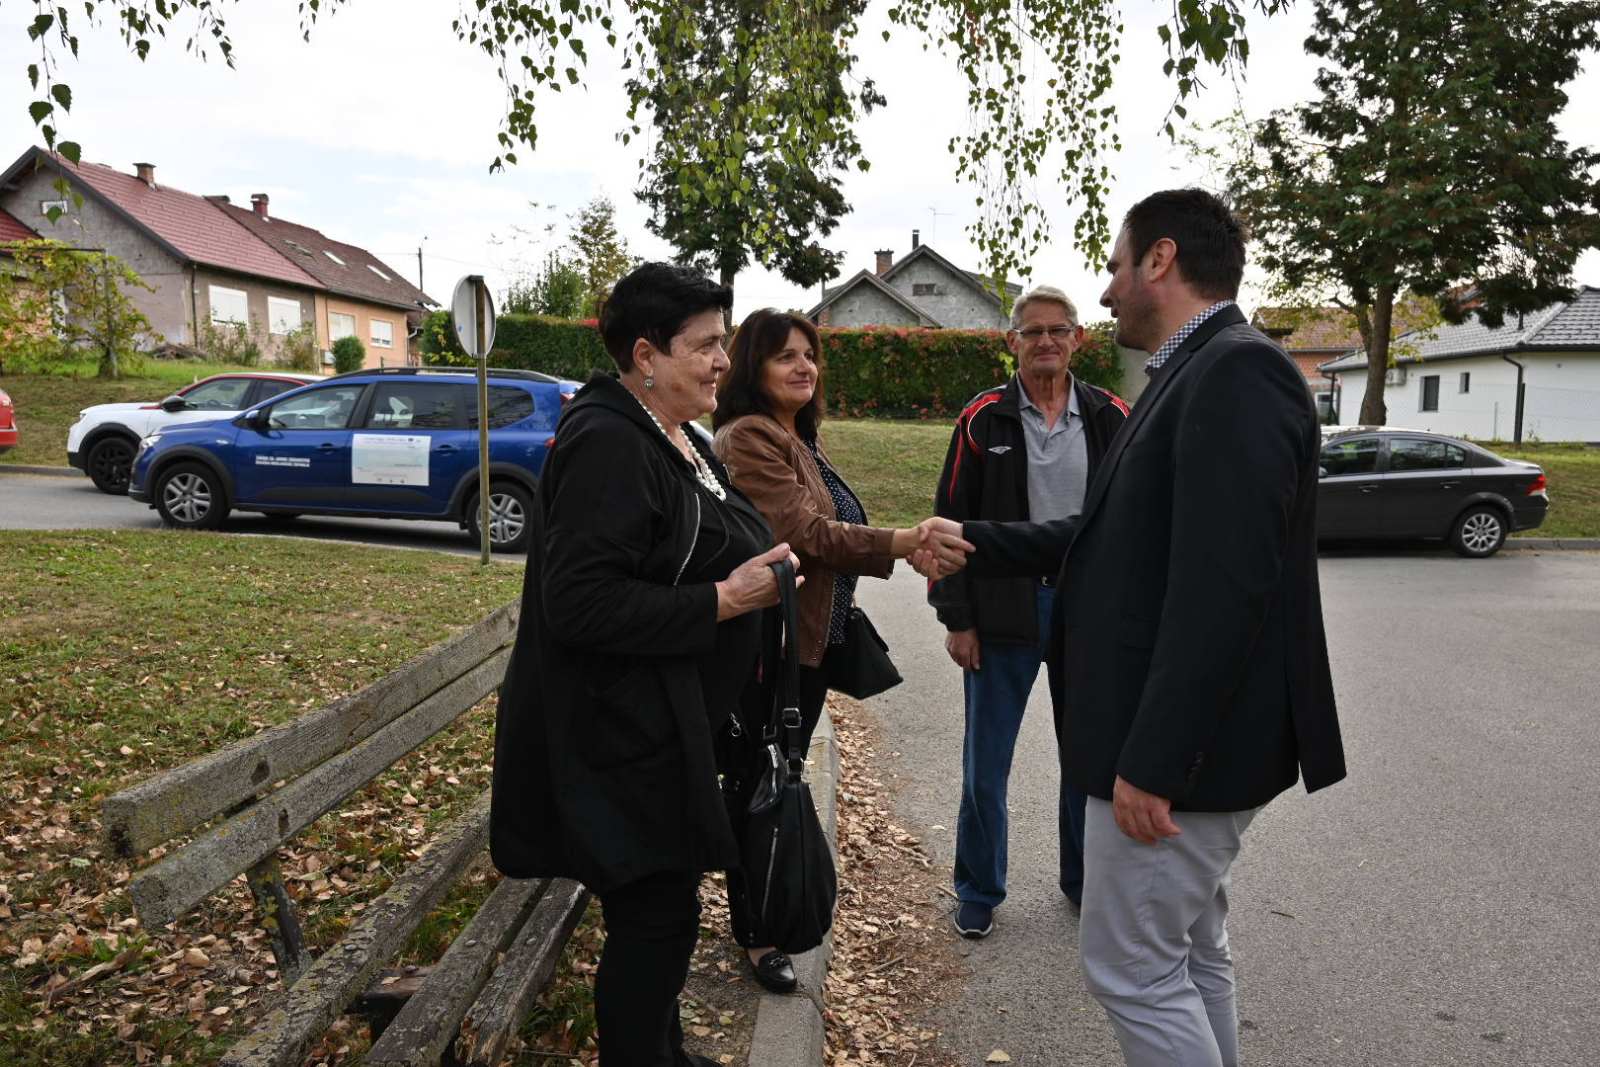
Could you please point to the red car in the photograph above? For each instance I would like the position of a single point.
(8, 423)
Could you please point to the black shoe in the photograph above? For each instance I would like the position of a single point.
(775, 972)
(974, 920)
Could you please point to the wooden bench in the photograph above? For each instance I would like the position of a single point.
(236, 807)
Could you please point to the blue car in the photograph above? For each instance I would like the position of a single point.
(397, 443)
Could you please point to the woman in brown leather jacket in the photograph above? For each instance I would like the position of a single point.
(768, 407)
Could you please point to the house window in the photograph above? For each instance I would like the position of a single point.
(333, 257)
(378, 272)
(1466, 381)
(340, 325)
(1430, 393)
(382, 333)
(47, 206)
(229, 305)
(924, 289)
(283, 316)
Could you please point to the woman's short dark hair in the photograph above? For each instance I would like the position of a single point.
(1210, 240)
(760, 337)
(653, 301)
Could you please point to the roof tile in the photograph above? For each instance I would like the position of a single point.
(193, 225)
(13, 229)
(354, 273)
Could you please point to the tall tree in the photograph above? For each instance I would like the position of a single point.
(58, 303)
(598, 252)
(1430, 161)
(754, 125)
(1038, 74)
(557, 288)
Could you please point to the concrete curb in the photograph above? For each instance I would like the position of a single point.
(1579, 543)
(59, 472)
(789, 1029)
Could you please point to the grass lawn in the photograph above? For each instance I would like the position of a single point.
(126, 653)
(1573, 472)
(892, 464)
(49, 403)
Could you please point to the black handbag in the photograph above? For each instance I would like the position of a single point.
(788, 868)
(860, 667)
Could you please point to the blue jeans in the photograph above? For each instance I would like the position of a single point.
(996, 696)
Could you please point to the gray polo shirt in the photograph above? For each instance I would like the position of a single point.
(1058, 459)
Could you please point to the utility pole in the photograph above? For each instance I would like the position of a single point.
(419, 262)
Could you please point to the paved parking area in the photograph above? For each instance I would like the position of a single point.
(1440, 907)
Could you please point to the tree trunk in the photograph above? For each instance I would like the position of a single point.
(1373, 410)
(726, 275)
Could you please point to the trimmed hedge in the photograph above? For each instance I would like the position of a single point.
(914, 373)
(888, 371)
(567, 348)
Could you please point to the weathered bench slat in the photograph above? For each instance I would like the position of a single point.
(508, 997)
(347, 968)
(427, 1024)
(167, 889)
(160, 808)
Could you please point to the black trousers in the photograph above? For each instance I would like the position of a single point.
(748, 751)
(651, 928)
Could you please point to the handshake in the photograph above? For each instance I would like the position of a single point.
(934, 547)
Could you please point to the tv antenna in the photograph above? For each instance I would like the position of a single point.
(933, 230)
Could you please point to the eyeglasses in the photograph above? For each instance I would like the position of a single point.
(1057, 333)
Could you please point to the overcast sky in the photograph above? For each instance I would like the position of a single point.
(380, 130)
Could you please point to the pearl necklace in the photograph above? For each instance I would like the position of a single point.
(702, 470)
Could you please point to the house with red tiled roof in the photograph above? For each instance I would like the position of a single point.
(1314, 335)
(215, 265)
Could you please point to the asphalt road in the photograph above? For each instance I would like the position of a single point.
(1439, 907)
(51, 502)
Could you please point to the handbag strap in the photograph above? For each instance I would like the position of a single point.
(785, 713)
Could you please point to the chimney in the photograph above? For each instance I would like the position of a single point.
(259, 202)
(916, 240)
(885, 260)
(146, 172)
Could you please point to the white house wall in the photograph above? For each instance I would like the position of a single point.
(1562, 401)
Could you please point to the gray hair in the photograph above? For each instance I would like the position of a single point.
(1047, 293)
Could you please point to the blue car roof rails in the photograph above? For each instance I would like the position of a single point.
(525, 375)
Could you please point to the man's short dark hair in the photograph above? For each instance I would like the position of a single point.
(653, 301)
(1210, 240)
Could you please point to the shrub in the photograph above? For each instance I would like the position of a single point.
(348, 354)
(231, 342)
(916, 373)
(299, 351)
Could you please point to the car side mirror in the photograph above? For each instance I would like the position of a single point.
(174, 403)
(1322, 472)
(257, 419)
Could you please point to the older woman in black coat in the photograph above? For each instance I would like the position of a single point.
(640, 632)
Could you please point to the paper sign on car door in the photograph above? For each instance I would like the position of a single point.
(389, 459)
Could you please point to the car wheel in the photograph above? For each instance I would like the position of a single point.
(510, 517)
(108, 463)
(191, 497)
(1479, 531)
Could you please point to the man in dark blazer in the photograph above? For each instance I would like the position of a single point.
(1193, 668)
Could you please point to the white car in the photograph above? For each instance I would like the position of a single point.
(103, 441)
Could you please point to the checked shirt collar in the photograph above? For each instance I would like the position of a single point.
(1173, 343)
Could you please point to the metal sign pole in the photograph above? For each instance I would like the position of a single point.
(472, 318)
(483, 424)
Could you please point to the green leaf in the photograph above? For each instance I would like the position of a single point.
(70, 150)
(63, 96)
(40, 110)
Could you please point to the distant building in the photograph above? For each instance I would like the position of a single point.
(1462, 380)
(920, 289)
(212, 263)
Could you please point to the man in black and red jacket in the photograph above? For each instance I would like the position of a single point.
(1022, 451)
